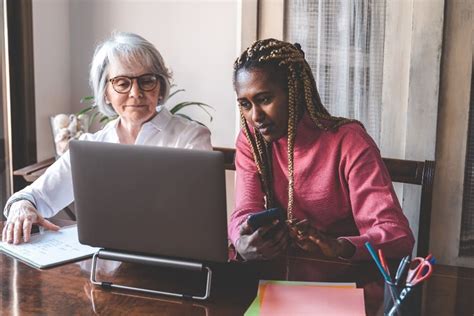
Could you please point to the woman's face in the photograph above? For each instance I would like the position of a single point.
(263, 100)
(136, 106)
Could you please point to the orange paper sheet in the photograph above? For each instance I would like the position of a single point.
(304, 300)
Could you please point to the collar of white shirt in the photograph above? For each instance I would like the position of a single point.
(157, 123)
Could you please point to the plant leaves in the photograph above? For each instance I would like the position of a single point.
(189, 118)
(93, 117)
(178, 107)
(85, 110)
(175, 92)
(185, 116)
(203, 107)
(87, 99)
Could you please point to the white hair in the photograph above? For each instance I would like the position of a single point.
(126, 48)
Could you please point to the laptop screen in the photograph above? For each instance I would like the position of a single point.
(158, 201)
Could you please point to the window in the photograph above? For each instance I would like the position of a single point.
(343, 42)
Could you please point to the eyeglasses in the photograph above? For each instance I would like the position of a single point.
(123, 84)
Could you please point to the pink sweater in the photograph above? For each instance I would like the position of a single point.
(341, 185)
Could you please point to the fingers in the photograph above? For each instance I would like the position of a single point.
(245, 229)
(17, 232)
(27, 223)
(266, 242)
(264, 230)
(47, 224)
(298, 227)
(274, 246)
(293, 232)
(302, 226)
(297, 223)
(305, 235)
(13, 231)
(22, 216)
(314, 239)
(4, 232)
(280, 243)
(7, 233)
(276, 250)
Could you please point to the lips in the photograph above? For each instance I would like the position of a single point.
(134, 105)
(264, 129)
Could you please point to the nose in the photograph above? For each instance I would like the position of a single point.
(135, 91)
(258, 115)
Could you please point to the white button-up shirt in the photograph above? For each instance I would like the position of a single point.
(53, 190)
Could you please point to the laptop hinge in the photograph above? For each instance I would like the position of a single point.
(148, 260)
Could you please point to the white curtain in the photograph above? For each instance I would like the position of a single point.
(343, 42)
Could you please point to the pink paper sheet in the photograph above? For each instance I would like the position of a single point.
(305, 300)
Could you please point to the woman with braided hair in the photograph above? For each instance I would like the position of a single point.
(325, 171)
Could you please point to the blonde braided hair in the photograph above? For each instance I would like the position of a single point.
(289, 60)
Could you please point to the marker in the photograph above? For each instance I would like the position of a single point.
(401, 269)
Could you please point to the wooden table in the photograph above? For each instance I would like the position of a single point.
(66, 290)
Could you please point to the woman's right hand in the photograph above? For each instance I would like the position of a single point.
(258, 245)
(21, 217)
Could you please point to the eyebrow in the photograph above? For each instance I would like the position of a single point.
(257, 95)
(129, 75)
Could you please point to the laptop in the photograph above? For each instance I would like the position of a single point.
(156, 201)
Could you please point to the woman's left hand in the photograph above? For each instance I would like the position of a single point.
(310, 239)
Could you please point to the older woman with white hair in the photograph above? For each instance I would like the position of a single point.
(129, 78)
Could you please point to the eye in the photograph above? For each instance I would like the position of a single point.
(265, 99)
(245, 105)
(121, 82)
(147, 81)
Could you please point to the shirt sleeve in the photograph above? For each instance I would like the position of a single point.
(376, 210)
(52, 191)
(249, 196)
(197, 137)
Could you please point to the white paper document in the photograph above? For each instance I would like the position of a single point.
(50, 248)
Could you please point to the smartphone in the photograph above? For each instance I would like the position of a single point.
(265, 217)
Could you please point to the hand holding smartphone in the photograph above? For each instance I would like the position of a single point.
(265, 217)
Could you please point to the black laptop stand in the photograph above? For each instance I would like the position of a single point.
(156, 261)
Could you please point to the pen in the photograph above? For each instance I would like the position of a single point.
(401, 269)
(377, 261)
(383, 262)
(432, 260)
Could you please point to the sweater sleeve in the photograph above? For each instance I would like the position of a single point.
(376, 210)
(249, 196)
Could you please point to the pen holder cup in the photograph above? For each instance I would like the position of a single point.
(401, 300)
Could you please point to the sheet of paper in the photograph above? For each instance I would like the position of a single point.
(50, 248)
(254, 308)
(311, 300)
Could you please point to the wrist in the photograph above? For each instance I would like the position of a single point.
(10, 202)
